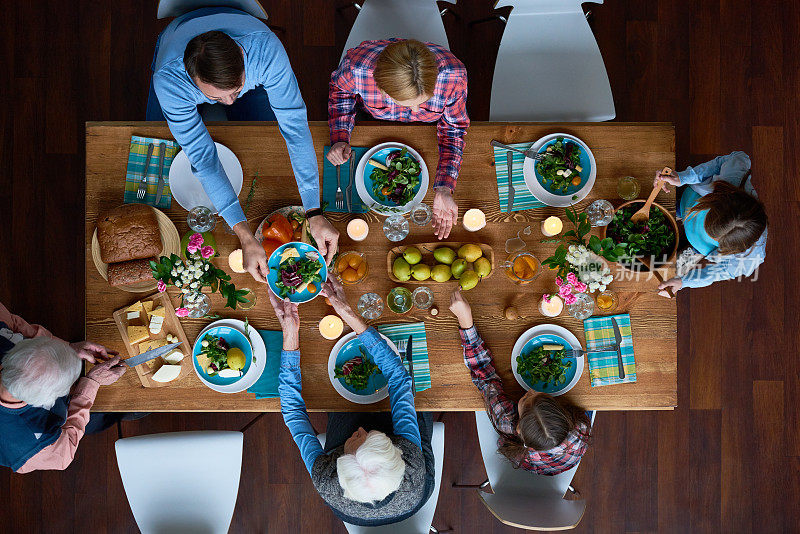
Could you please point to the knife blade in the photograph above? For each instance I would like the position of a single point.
(573, 354)
(162, 147)
(510, 163)
(618, 337)
(349, 192)
(411, 365)
(151, 354)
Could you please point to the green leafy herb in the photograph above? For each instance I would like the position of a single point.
(357, 371)
(656, 237)
(539, 365)
(250, 194)
(399, 182)
(560, 167)
(294, 273)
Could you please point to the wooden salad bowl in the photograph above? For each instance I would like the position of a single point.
(673, 254)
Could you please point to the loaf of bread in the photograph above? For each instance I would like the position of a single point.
(128, 232)
(129, 272)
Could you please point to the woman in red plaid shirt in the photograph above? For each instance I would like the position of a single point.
(539, 433)
(407, 81)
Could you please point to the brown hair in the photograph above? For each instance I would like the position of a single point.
(406, 70)
(546, 424)
(214, 58)
(735, 218)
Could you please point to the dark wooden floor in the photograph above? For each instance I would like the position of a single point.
(726, 72)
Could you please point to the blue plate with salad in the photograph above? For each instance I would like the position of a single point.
(354, 373)
(539, 360)
(296, 271)
(392, 178)
(565, 174)
(222, 355)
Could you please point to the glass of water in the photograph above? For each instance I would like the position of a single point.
(201, 219)
(422, 297)
(396, 227)
(370, 306)
(600, 213)
(582, 308)
(628, 188)
(421, 214)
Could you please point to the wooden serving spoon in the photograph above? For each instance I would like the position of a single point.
(643, 215)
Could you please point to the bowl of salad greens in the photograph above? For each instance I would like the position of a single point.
(255, 359)
(296, 271)
(541, 360)
(222, 355)
(354, 373)
(566, 172)
(657, 237)
(391, 178)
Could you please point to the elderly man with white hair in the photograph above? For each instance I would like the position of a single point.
(376, 468)
(44, 401)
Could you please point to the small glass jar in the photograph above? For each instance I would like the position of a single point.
(198, 304)
(399, 300)
(396, 228)
(421, 214)
(522, 267)
(201, 219)
(582, 308)
(370, 306)
(628, 188)
(422, 297)
(351, 267)
(600, 213)
(606, 301)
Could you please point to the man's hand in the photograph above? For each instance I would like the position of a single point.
(254, 259)
(92, 352)
(339, 153)
(665, 179)
(445, 213)
(107, 372)
(289, 319)
(675, 284)
(326, 236)
(461, 309)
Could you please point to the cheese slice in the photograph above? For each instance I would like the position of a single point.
(133, 315)
(137, 334)
(229, 373)
(552, 347)
(147, 305)
(158, 312)
(174, 357)
(289, 252)
(151, 344)
(156, 323)
(167, 373)
(203, 361)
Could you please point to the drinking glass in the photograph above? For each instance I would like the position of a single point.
(370, 306)
(399, 300)
(422, 297)
(396, 227)
(421, 214)
(522, 267)
(251, 297)
(600, 213)
(606, 301)
(201, 219)
(582, 308)
(628, 188)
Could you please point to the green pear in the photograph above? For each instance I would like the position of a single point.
(445, 255)
(458, 268)
(470, 252)
(441, 273)
(421, 272)
(468, 280)
(401, 269)
(412, 255)
(483, 267)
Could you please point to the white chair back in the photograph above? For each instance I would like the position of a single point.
(404, 19)
(549, 67)
(174, 487)
(176, 8)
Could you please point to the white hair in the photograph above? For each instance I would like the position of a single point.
(41, 370)
(374, 471)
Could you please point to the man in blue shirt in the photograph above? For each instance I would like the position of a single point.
(214, 55)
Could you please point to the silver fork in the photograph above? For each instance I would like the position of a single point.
(401, 347)
(142, 191)
(339, 194)
(529, 153)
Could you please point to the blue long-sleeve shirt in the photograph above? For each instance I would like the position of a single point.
(732, 169)
(266, 64)
(293, 408)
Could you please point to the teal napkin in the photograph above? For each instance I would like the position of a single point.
(329, 183)
(267, 385)
(523, 198)
(419, 352)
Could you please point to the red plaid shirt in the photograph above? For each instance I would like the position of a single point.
(353, 83)
(503, 411)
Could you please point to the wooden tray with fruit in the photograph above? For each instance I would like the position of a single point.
(151, 323)
(440, 261)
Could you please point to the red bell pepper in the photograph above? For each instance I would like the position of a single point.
(278, 228)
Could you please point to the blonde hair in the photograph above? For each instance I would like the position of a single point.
(374, 471)
(406, 70)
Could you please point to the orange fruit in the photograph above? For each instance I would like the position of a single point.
(312, 288)
(362, 269)
(354, 260)
(350, 275)
(342, 264)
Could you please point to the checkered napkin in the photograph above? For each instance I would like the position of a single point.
(329, 183)
(133, 176)
(523, 198)
(603, 366)
(419, 352)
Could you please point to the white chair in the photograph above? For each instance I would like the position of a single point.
(422, 521)
(405, 19)
(181, 482)
(549, 67)
(176, 8)
(523, 499)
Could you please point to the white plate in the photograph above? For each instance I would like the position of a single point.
(285, 211)
(552, 329)
(366, 196)
(343, 391)
(256, 367)
(187, 189)
(559, 201)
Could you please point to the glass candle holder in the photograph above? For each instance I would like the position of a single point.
(421, 214)
(606, 301)
(370, 306)
(251, 299)
(600, 213)
(422, 297)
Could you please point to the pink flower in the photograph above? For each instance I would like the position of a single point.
(565, 291)
(182, 312)
(570, 299)
(192, 248)
(547, 297)
(161, 286)
(207, 251)
(196, 240)
(580, 287)
(572, 279)
(559, 281)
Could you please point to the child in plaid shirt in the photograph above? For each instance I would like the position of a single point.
(539, 433)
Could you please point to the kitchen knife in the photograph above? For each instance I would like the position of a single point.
(411, 365)
(509, 161)
(151, 354)
(618, 336)
(162, 147)
(572, 354)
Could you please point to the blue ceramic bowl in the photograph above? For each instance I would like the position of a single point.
(549, 339)
(234, 338)
(380, 156)
(350, 350)
(585, 163)
(275, 260)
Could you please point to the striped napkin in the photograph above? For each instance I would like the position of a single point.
(523, 198)
(419, 352)
(603, 366)
(133, 175)
(266, 387)
(329, 183)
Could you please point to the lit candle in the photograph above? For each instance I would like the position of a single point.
(551, 305)
(552, 226)
(236, 261)
(474, 220)
(331, 327)
(357, 229)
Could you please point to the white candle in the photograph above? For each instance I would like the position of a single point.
(474, 220)
(236, 261)
(357, 229)
(331, 327)
(552, 226)
(551, 307)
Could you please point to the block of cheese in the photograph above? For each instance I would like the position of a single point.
(167, 373)
(137, 334)
(151, 344)
(128, 232)
(174, 357)
(135, 308)
(148, 306)
(159, 312)
(156, 323)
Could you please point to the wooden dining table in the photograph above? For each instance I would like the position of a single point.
(620, 149)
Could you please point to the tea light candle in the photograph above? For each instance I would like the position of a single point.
(551, 307)
(474, 220)
(552, 226)
(331, 327)
(357, 229)
(236, 261)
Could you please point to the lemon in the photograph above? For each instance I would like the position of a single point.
(235, 359)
